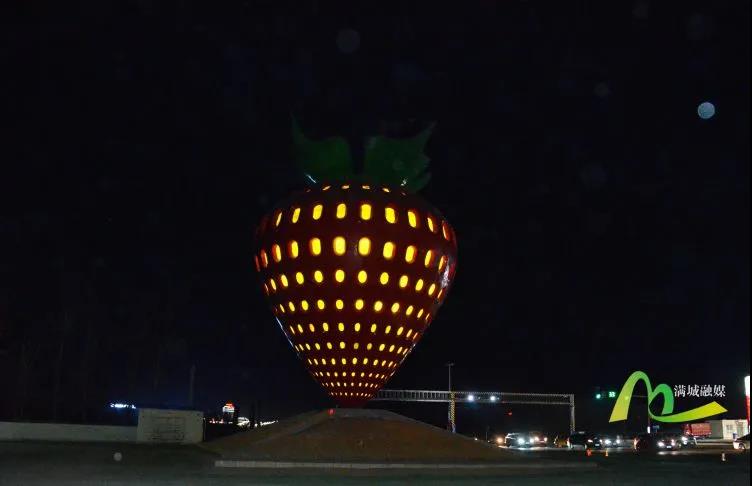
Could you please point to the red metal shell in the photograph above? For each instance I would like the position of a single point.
(353, 311)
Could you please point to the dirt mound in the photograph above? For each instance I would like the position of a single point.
(353, 435)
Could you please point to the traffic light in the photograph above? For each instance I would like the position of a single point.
(612, 394)
(598, 396)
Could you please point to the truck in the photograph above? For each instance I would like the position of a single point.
(697, 429)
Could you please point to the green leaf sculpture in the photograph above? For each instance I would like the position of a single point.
(396, 162)
(321, 160)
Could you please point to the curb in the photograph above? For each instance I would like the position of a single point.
(367, 466)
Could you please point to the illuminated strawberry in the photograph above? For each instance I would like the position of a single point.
(356, 268)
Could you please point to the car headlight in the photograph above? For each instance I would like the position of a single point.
(618, 441)
(520, 441)
(661, 443)
(590, 440)
(608, 441)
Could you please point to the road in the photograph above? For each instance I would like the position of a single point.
(26, 463)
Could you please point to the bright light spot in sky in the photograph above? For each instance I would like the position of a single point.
(706, 110)
(471, 397)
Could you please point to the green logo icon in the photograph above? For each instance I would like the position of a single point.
(621, 408)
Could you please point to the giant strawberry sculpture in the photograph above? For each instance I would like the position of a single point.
(356, 267)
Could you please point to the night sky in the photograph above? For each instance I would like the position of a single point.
(603, 225)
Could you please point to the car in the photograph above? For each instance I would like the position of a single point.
(681, 437)
(526, 439)
(560, 440)
(612, 440)
(658, 442)
(537, 439)
(742, 443)
(583, 440)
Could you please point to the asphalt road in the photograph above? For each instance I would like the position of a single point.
(26, 463)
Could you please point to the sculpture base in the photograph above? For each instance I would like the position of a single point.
(355, 435)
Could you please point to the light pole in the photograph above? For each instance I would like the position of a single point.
(450, 423)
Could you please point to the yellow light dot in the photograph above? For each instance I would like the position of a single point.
(390, 214)
(325, 326)
(428, 259)
(318, 276)
(320, 304)
(388, 329)
(264, 259)
(362, 276)
(395, 307)
(357, 327)
(339, 304)
(445, 230)
(431, 289)
(315, 246)
(378, 305)
(403, 281)
(292, 249)
(329, 346)
(339, 245)
(299, 278)
(388, 250)
(326, 188)
(412, 219)
(365, 361)
(278, 218)
(409, 310)
(356, 345)
(384, 278)
(409, 331)
(295, 215)
(300, 328)
(359, 304)
(308, 346)
(346, 186)
(274, 285)
(339, 275)
(420, 313)
(283, 279)
(369, 346)
(442, 262)
(341, 345)
(291, 306)
(276, 252)
(364, 246)
(365, 211)
(292, 330)
(317, 210)
(341, 327)
(431, 226)
(355, 361)
(316, 345)
(344, 361)
(304, 305)
(373, 327)
(410, 252)
(399, 331)
(381, 346)
(391, 348)
(419, 285)
(341, 210)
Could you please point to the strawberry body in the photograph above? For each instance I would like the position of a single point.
(354, 274)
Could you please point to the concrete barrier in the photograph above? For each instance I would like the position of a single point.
(66, 432)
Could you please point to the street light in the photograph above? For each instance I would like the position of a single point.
(471, 397)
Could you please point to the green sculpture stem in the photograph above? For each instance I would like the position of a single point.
(395, 162)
